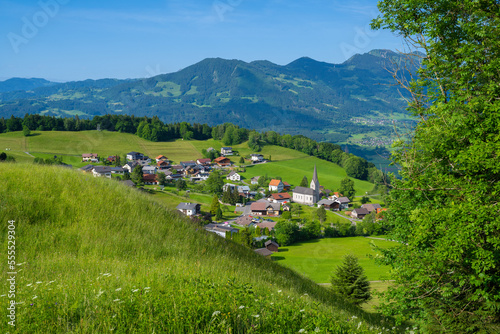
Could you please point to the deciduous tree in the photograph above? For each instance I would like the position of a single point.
(444, 211)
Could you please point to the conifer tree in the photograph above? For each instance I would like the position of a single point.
(350, 281)
(304, 182)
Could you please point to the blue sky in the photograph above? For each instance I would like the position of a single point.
(65, 40)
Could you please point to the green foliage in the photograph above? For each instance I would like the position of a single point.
(242, 160)
(350, 281)
(286, 232)
(218, 213)
(180, 184)
(304, 182)
(162, 179)
(26, 131)
(214, 183)
(215, 205)
(321, 213)
(137, 176)
(347, 188)
(286, 215)
(444, 210)
(365, 199)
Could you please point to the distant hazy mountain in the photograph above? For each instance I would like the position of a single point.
(307, 97)
(15, 84)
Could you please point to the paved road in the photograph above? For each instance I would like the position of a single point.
(352, 220)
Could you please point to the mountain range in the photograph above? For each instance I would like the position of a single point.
(320, 100)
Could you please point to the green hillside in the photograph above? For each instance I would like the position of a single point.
(291, 165)
(94, 256)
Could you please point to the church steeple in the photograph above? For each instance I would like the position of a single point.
(315, 185)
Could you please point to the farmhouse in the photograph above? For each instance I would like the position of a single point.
(163, 165)
(203, 162)
(149, 169)
(255, 180)
(134, 156)
(280, 198)
(276, 185)
(99, 171)
(220, 229)
(129, 166)
(222, 161)
(233, 176)
(94, 157)
(265, 208)
(256, 157)
(359, 213)
(189, 209)
(329, 204)
(371, 207)
(161, 158)
(343, 203)
(226, 151)
(149, 179)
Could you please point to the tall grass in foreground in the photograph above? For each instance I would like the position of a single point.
(95, 256)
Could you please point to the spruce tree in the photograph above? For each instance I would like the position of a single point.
(215, 205)
(304, 182)
(350, 281)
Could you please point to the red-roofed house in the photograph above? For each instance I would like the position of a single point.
(280, 198)
(149, 179)
(276, 185)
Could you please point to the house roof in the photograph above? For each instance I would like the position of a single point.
(275, 182)
(220, 159)
(361, 211)
(133, 153)
(90, 155)
(263, 205)
(371, 207)
(267, 224)
(343, 200)
(87, 168)
(255, 178)
(204, 161)
(149, 177)
(271, 242)
(161, 157)
(129, 183)
(227, 148)
(149, 167)
(162, 163)
(187, 206)
(244, 220)
(326, 202)
(303, 190)
(281, 196)
(102, 169)
(232, 173)
(263, 251)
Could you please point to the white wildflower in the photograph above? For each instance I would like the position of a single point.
(241, 307)
(256, 315)
(359, 325)
(116, 300)
(317, 329)
(147, 288)
(302, 310)
(135, 290)
(29, 284)
(279, 291)
(215, 313)
(99, 293)
(3, 295)
(302, 330)
(38, 282)
(118, 289)
(35, 297)
(271, 303)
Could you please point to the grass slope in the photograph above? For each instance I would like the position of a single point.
(95, 256)
(317, 259)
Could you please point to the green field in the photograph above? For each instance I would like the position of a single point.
(95, 256)
(317, 259)
(293, 170)
(289, 164)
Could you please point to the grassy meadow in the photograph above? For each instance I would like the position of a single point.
(317, 259)
(291, 165)
(95, 256)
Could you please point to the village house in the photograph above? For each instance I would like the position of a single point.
(233, 176)
(222, 161)
(256, 157)
(343, 203)
(144, 161)
(255, 180)
(329, 204)
(129, 166)
(226, 151)
(220, 229)
(276, 185)
(269, 224)
(200, 176)
(87, 168)
(111, 158)
(134, 156)
(245, 190)
(265, 208)
(359, 213)
(100, 171)
(245, 221)
(371, 207)
(118, 170)
(161, 158)
(203, 162)
(93, 157)
(162, 165)
(189, 209)
(280, 198)
(187, 164)
(149, 179)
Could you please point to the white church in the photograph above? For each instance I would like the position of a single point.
(308, 196)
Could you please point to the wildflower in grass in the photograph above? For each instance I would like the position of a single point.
(118, 289)
(241, 307)
(29, 284)
(271, 304)
(38, 282)
(51, 282)
(215, 313)
(116, 300)
(147, 288)
(359, 325)
(317, 329)
(302, 330)
(35, 297)
(279, 291)
(302, 310)
(135, 290)
(256, 315)
(99, 293)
